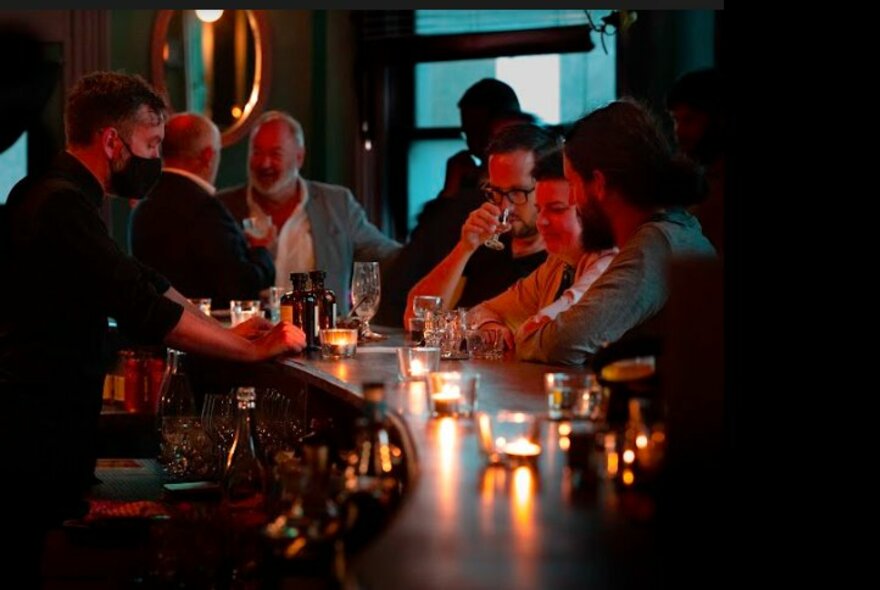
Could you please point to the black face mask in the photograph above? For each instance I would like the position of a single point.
(137, 178)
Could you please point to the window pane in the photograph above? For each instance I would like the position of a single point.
(427, 170)
(558, 88)
(13, 166)
(445, 22)
(439, 86)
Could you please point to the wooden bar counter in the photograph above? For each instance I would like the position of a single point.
(463, 524)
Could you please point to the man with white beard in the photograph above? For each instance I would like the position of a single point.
(306, 225)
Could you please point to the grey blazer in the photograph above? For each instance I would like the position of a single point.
(341, 232)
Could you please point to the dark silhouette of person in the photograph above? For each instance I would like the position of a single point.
(696, 103)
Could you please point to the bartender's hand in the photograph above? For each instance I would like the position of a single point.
(480, 225)
(252, 328)
(284, 337)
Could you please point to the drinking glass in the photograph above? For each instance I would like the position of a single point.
(366, 290)
(243, 310)
(425, 303)
(257, 227)
(494, 242)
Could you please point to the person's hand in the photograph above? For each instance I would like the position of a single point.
(532, 324)
(284, 337)
(506, 334)
(460, 169)
(480, 225)
(252, 328)
(266, 239)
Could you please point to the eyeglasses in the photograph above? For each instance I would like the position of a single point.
(516, 196)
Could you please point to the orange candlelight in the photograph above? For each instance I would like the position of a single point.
(522, 447)
(417, 368)
(338, 336)
(446, 401)
(338, 343)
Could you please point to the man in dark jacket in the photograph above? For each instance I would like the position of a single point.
(53, 339)
(187, 234)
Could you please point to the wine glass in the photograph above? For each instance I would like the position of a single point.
(366, 291)
(503, 226)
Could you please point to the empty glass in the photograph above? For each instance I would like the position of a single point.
(366, 291)
(485, 343)
(453, 340)
(203, 304)
(424, 303)
(243, 310)
(275, 295)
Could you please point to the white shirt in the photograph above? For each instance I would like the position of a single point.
(294, 250)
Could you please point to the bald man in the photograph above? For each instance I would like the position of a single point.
(187, 234)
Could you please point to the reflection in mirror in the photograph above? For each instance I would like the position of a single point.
(213, 64)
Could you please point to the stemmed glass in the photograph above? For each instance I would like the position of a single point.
(503, 226)
(218, 420)
(366, 290)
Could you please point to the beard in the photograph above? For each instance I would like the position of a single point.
(596, 234)
(523, 230)
(275, 190)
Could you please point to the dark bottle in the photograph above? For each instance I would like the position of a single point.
(244, 480)
(326, 299)
(300, 307)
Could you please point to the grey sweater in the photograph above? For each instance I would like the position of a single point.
(632, 290)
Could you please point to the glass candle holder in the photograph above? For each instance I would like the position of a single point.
(509, 437)
(452, 393)
(338, 343)
(416, 362)
(560, 395)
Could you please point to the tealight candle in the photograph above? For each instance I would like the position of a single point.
(416, 362)
(417, 368)
(338, 343)
(522, 448)
(445, 403)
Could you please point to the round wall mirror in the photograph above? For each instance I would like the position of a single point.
(213, 62)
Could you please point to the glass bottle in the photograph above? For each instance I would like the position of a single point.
(176, 416)
(326, 299)
(300, 307)
(244, 479)
(372, 481)
(288, 301)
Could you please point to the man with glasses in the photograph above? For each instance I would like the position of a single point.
(471, 273)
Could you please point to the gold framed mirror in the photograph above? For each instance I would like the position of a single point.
(214, 62)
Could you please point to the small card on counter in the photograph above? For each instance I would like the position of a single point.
(193, 488)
